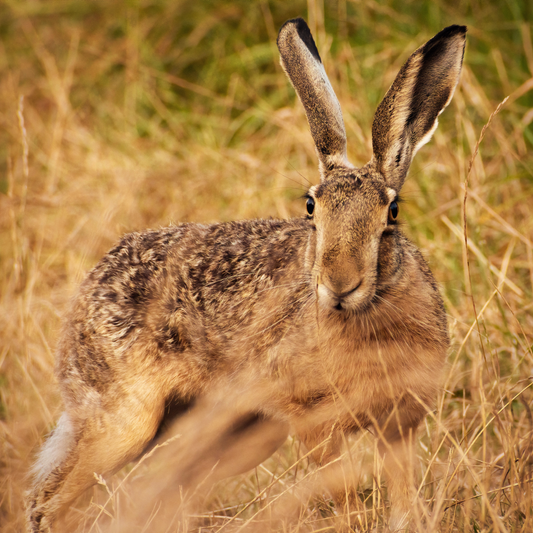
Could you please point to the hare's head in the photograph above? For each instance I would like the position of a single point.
(356, 250)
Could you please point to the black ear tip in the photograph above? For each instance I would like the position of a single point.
(303, 31)
(455, 35)
(297, 24)
(297, 21)
(451, 31)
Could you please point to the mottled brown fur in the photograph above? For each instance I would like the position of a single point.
(327, 323)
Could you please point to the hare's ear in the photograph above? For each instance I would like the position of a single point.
(302, 63)
(407, 117)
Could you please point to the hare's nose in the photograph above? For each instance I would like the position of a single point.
(340, 289)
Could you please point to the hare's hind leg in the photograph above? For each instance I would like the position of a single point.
(214, 449)
(100, 443)
(55, 461)
(212, 445)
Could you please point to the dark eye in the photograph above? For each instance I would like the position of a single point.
(394, 209)
(310, 205)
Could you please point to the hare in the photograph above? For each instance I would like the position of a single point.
(335, 315)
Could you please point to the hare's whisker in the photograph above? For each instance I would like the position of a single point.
(309, 184)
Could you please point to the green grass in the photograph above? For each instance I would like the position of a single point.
(142, 113)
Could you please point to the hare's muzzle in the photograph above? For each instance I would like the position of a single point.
(336, 294)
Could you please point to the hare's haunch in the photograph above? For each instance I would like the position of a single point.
(323, 324)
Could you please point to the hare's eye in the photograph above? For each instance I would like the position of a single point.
(394, 209)
(310, 205)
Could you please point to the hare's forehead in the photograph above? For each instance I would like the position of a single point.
(353, 191)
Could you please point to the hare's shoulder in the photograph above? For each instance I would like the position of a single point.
(230, 272)
(224, 252)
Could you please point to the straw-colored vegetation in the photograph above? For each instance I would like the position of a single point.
(116, 116)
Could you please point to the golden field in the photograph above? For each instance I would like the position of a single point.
(122, 116)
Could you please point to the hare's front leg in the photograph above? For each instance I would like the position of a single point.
(325, 444)
(396, 444)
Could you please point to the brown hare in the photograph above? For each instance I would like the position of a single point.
(335, 314)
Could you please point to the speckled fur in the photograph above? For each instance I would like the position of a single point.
(337, 315)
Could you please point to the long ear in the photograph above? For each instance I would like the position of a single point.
(302, 63)
(408, 115)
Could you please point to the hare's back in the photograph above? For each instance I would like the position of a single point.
(182, 293)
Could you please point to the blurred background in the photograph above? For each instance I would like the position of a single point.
(125, 115)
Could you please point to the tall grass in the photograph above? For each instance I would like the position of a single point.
(117, 116)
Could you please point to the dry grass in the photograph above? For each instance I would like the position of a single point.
(120, 116)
